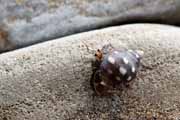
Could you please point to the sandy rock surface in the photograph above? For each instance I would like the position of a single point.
(50, 81)
(31, 21)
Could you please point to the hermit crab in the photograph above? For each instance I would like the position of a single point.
(114, 67)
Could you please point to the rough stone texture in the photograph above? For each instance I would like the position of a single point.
(32, 21)
(50, 81)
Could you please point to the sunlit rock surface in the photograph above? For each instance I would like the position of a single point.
(51, 81)
(31, 21)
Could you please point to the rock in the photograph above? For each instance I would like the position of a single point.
(52, 80)
(5, 44)
(31, 22)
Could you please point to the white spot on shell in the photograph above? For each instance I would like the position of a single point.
(131, 51)
(122, 70)
(133, 69)
(129, 78)
(118, 78)
(125, 60)
(103, 83)
(137, 56)
(116, 52)
(111, 60)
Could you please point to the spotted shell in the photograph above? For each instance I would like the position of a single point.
(117, 66)
(120, 65)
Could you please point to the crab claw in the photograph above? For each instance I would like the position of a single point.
(98, 55)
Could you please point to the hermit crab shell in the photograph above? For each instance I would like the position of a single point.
(120, 66)
(113, 67)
